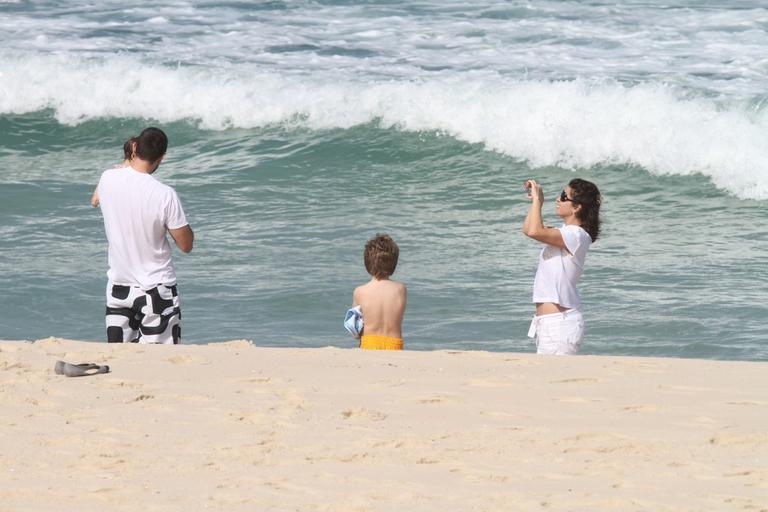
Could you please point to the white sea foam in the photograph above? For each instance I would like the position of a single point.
(690, 43)
(567, 123)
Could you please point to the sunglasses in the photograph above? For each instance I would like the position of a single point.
(564, 197)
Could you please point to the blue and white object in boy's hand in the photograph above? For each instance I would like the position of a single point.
(353, 321)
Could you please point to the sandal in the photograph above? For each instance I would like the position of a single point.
(79, 370)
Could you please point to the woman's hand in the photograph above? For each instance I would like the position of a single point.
(535, 191)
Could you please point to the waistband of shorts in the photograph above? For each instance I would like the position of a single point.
(377, 342)
(561, 314)
(111, 283)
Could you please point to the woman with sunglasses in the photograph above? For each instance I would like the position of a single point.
(558, 325)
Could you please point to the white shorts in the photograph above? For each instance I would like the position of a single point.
(558, 333)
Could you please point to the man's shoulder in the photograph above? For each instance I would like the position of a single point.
(166, 188)
(166, 191)
(110, 171)
(111, 179)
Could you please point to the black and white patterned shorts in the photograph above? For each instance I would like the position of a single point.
(143, 316)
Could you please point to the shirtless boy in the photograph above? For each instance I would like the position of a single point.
(381, 300)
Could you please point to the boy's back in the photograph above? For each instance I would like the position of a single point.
(383, 304)
(381, 300)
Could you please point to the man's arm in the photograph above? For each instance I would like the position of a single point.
(184, 237)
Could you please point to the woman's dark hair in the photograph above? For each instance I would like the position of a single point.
(151, 144)
(128, 148)
(586, 194)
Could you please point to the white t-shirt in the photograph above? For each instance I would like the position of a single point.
(138, 210)
(560, 269)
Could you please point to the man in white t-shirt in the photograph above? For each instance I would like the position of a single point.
(142, 298)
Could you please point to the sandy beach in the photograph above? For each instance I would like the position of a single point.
(233, 426)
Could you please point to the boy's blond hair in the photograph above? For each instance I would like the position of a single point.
(380, 256)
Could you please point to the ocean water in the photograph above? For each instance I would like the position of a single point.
(299, 129)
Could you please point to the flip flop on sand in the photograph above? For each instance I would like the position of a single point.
(79, 370)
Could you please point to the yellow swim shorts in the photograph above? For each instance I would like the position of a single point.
(376, 342)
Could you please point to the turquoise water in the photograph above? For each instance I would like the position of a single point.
(300, 129)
